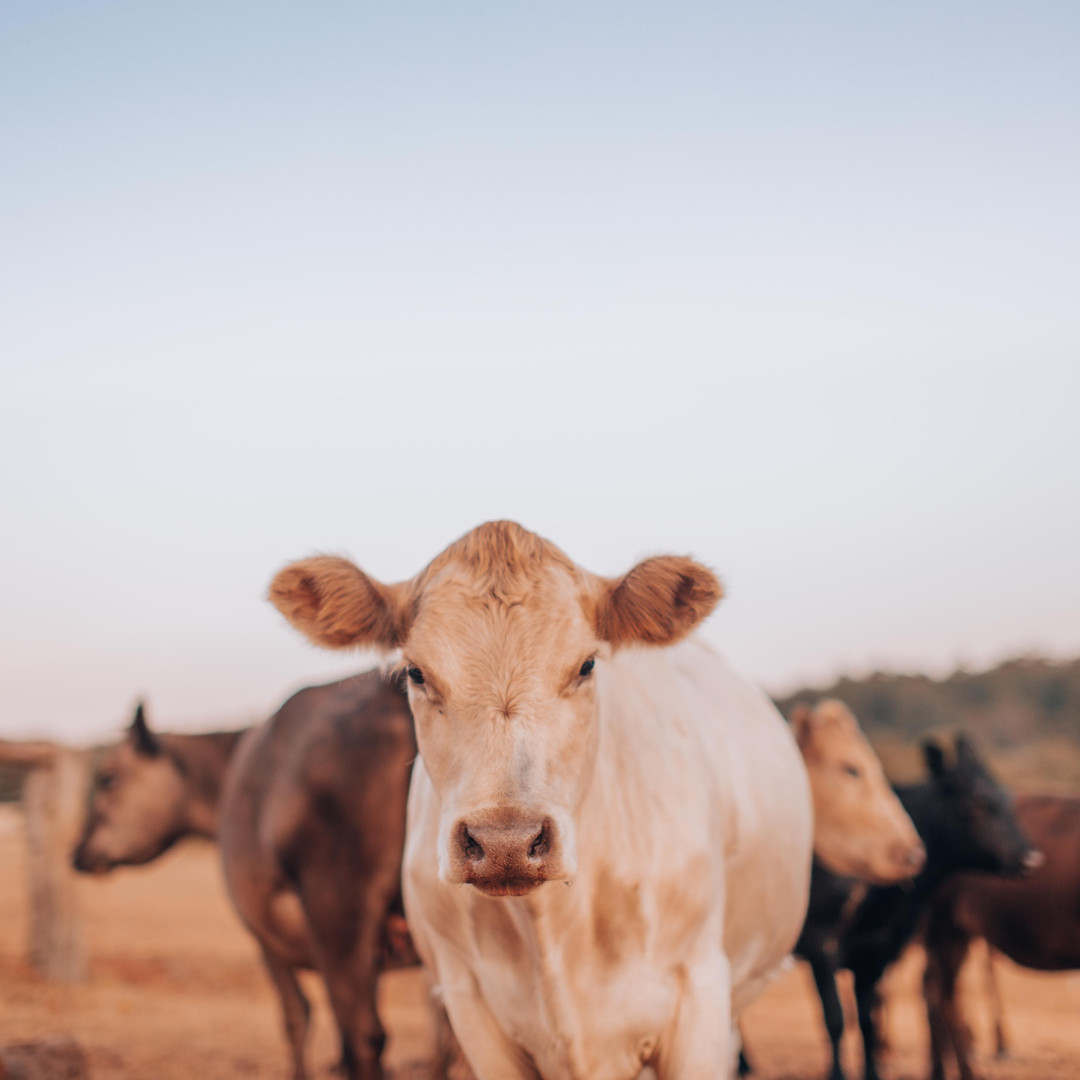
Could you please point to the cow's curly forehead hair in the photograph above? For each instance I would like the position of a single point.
(501, 558)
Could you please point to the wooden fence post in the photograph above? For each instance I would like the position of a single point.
(53, 797)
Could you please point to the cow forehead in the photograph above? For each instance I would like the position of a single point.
(467, 628)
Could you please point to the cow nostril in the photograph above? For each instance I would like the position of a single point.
(471, 846)
(541, 842)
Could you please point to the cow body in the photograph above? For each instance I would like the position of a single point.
(1034, 920)
(313, 822)
(693, 844)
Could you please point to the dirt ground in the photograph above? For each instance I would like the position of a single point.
(176, 992)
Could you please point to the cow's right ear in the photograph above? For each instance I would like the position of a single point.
(142, 739)
(336, 605)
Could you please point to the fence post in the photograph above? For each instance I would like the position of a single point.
(53, 796)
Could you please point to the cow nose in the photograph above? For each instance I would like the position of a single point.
(505, 854)
(498, 845)
(1033, 859)
(909, 856)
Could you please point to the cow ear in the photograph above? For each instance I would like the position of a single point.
(801, 722)
(142, 739)
(658, 602)
(965, 751)
(336, 605)
(935, 759)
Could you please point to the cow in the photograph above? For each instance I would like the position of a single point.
(860, 828)
(313, 827)
(1034, 920)
(609, 832)
(966, 822)
(328, 775)
(151, 790)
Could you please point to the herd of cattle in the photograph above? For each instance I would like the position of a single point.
(601, 843)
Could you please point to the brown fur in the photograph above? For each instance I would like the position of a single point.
(658, 602)
(313, 825)
(1034, 920)
(498, 555)
(619, 925)
(337, 605)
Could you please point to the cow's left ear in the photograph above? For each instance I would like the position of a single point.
(802, 722)
(141, 737)
(657, 603)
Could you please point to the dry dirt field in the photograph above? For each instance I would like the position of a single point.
(176, 992)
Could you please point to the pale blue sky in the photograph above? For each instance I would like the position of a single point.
(791, 287)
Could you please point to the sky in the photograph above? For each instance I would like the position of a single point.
(792, 288)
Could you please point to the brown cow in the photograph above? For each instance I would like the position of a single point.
(151, 790)
(331, 771)
(313, 827)
(1035, 921)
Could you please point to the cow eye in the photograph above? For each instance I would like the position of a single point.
(106, 781)
(853, 770)
(416, 675)
(586, 668)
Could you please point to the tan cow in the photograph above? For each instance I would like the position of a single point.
(149, 791)
(609, 834)
(860, 828)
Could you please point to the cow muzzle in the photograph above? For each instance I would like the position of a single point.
(506, 852)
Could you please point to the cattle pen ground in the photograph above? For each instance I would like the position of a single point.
(176, 992)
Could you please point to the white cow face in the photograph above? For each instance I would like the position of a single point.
(503, 639)
(503, 688)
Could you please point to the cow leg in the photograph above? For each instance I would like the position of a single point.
(295, 1008)
(700, 1044)
(824, 971)
(933, 993)
(955, 1025)
(866, 981)
(993, 991)
(947, 947)
(346, 935)
(450, 1061)
(488, 1052)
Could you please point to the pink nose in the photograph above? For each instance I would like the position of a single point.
(504, 854)
(908, 856)
(1033, 859)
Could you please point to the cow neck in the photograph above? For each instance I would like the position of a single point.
(203, 760)
(547, 917)
(922, 804)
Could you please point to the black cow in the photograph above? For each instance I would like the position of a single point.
(966, 822)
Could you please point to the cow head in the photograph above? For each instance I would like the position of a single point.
(976, 827)
(503, 640)
(137, 806)
(860, 828)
